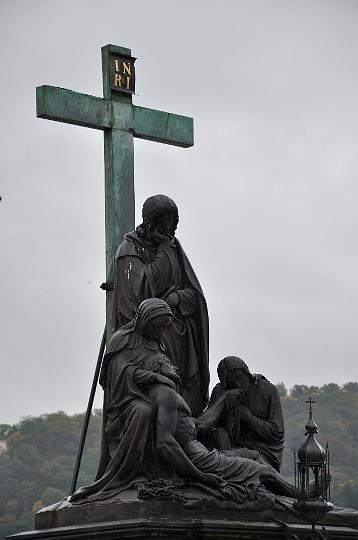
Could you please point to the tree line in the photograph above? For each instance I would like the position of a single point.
(37, 455)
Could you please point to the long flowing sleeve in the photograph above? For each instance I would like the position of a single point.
(271, 429)
(188, 301)
(162, 267)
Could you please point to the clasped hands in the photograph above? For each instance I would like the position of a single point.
(235, 396)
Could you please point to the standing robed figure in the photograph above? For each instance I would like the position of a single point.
(150, 263)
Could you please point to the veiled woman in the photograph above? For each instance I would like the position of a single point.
(138, 421)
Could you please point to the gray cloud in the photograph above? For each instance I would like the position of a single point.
(267, 196)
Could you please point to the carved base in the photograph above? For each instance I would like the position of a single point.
(168, 520)
(183, 529)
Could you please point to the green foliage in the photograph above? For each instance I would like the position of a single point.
(335, 413)
(37, 467)
(282, 390)
(5, 430)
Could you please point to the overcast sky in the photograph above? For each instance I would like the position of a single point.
(267, 197)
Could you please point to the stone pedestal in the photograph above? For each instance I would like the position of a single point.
(184, 529)
(169, 520)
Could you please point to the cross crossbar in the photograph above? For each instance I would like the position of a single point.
(54, 103)
(70, 107)
(163, 127)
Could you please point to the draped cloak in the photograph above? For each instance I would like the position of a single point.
(266, 431)
(127, 449)
(146, 270)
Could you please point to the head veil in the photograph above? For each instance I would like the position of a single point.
(130, 335)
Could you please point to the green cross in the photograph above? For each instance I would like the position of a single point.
(120, 121)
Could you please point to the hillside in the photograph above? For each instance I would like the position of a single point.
(38, 455)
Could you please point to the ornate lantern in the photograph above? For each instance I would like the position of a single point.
(312, 476)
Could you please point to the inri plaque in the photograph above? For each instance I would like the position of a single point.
(122, 73)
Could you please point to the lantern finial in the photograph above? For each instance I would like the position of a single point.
(312, 476)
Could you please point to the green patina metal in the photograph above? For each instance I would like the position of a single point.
(120, 121)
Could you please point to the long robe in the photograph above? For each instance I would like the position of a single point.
(127, 450)
(146, 270)
(266, 431)
(242, 475)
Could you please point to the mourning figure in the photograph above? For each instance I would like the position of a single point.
(244, 412)
(150, 263)
(148, 430)
(140, 410)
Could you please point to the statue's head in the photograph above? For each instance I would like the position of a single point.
(234, 373)
(153, 316)
(160, 211)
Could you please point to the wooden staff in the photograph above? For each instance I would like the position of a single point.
(88, 413)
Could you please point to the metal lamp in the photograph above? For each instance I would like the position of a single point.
(312, 477)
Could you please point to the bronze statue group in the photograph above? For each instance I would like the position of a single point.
(158, 421)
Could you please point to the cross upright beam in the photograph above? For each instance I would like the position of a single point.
(120, 121)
